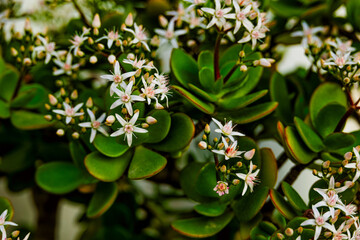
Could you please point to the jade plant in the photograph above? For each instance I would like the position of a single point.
(155, 116)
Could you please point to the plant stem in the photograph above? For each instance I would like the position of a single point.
(82, 15)
(282, 159)
(216, 57)
(227, 77)
(342, 121)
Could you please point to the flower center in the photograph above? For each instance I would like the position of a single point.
(113, 35)
(69, 112)
(340, 61)
(240, 16)
(320, 221)
(96, 124)
(128, 128)
(227, 129)
(250, 179)
(125, 98)
(255, 34)
(230, 152)
(222, 186)
(67, 67)
(169, 34)
(50, 47)
(149, 91)
(219, 13)
(117, 78)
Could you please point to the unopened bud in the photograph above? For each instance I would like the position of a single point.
(52, 99)
(110, 120)
(15, 233)
(216, 140)
(236, 181)
(345, 162)
(228, 2)
(327, 234)
(93, 59)
(249, 154)
(200, 13)
(118, 43)
(326, 164)
(221, 146)
(96, 23)
(337, 184)
(223, 169)
(348, 156)
(315, 172)
(191, 43)
(280, 236)
(144, 125)
(204, 137)
(89, 103)
(243, 68)
(158, 106)
(80, 53)
(74, 95)
(27, 25)
(264, 62)
(242, 54)
(129, 21)
(209, 147)
(289, 232)
(13, 51)
(22, 48)
(47, 106)
(151, 120)
(60, 132)
(48, 117)
(90, 41)
(75, 135)
(357, 148)
(62, 92)
(207, 129)
(163, 21)
(27, 61)
(300, 230)
(67, 100)
(124, 111)
(202, 145)
(346, 80)
(130, 56)
(100, 46)
(239, 164)
(111, 59)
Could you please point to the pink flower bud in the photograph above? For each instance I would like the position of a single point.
(202, 145)
(60, 132)
(93, 59)
(52, 99)
(129, 21)
(249, 154)
(150, 120)
(111, 59)
(96, 22)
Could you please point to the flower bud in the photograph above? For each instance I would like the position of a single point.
(16, 233)
(202, 145)
(326, 164)
(158, 106)
(280, 236)
(27, 25)
(60, 132)
(96, 23)
(242, 54)
(27, 61)
(93, 59)
(47, 106)
(249, 154)
(75, 135)
(89, 103)
(100, 46)
(48, 117)
(239, 164)
(315, 172)
(124, 111)
(328, 234)
(130, 56)
(74, 95)
(236, 181)
(111, 59)
(223, 169)
(144, 125)
(289, 232)
(243, 68)
(150, 120)
(228, 2)
(129, 21)
(209, 147)
(300, 230)
(216, 140)
(62, 92)
(110, 120)
(163, 21)
(348, 156)
(52, 99)
(264, 62)
(221, 146)
(13, 51)
(340, 170)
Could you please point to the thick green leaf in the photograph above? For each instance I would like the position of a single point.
(205, 107)
(31, 96)
(206, 59)
(145, 163)
(78, 153)
(102, 200)
(184, 68)
(282, 205)
(236, 76)
(206, 180)
(109, 146)
(268, 227)
(5, 204)
(293, 197)
(107, 169)
(249, 83)
(202, 227)
(325, 94)
(4, 109)
(310, 138)
(269, 169)
(59, 177)
(251, 114)
(181, 132)
(300, 152)
(333, 158)
(245, 211)
(25, 120)
(246, 226)
(328, 118)
(231, 103)
(158, 131)
(8, 81)
(339, 140)
(280, 94)
(203, 94)
(211, 209)
(207, 79)
(188, 177)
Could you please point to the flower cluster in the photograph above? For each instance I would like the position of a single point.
(3, 223)
(230, 171)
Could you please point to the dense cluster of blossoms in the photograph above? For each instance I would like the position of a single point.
(334, 55)
(4, 223)
(134, 79)
(229, 171)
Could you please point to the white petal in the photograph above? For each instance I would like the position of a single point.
(140, 130)
(91, 115)
(85, 124)
(120, 119)
(134, 118)
(58, 111)
(116, 104)
(68, 119)
(129, 108)
(77, 107)
(92, 135)
(117, 133)
(129, 138)
(101, 118)
(103, 131)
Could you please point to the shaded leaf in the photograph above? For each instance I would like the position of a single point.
(293, 197)
(207, 79)
(103, 198)
(206, 181)
(109, 146)
(211, 209)
(4, 109)
(8, 81)
(328, 118)
(206, 59)
(268, 172)
(339, 140)
(25, 120)
(280, 94)
(282, 205)
(158, 131)
(184, 67)
(230, 103)
(310, 138)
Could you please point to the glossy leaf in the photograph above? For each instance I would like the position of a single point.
(207, 79)
(109, 146)
(59, 177)
(107, 169)
(206, 180)
(188, 177)
(158, 131)
(8, 81)
(353, 9)
(31, 96)
(78, 153)
(237, 103)
(280, 94)
(103, 198)
(206, 59)
(181, 132)
(325, 94)
(310, 138)
(203, 94)
(333, 158)
(236, 76)
(211, 209)
(184, 68)
(205, 107)
(145, 163)
(339, 140)
(245, 211)
(328, 118)
(5, 204)
(293, 197)
(300, 152)
(203, 226)
(4, 109)
(269, 169)
(25, 120)
(250, 82)
(282, 205)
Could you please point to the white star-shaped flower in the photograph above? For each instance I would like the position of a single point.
(3, 222)
(241, 17)
(355, 165)
(308, 34)
(139, 36)
(69, 111)
(229, 151)
(319, 222)
(48, 48)
(169, 35)
(128, 128)
(227, 129)
(66, 67)
(94, 124)
(249, 178)
(219, 15)
(254, 35)
(111, 37)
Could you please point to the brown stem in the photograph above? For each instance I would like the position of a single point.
(216, 57)
(47, 205)
(227, 77)
(282, 159)
(342, 121)
(82, 15)
(216, 167)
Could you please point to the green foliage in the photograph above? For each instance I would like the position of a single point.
(102, 199)
(25, 120)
